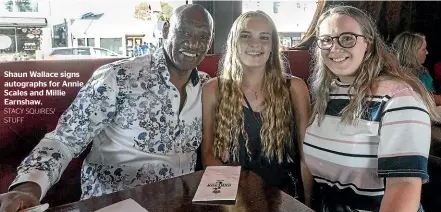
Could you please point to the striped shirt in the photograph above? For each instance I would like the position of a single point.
(392, 139)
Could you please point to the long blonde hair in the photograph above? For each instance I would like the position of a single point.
(406, 46)
(378, 63)
(277, 115)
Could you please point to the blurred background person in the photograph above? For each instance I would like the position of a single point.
(411, 50)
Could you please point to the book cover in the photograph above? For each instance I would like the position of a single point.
(218, 185)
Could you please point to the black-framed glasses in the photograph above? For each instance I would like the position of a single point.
(345, 40)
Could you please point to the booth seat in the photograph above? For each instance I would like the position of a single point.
(17, 140)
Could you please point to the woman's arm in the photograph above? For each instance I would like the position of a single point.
(300, 98)
(209, 100)
(402, 194)
(403, 150)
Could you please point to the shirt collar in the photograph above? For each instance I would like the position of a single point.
(342, 84)
(159, 62)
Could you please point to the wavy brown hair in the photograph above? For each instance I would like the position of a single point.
(379, 63)
(277, 113)
(405, 47)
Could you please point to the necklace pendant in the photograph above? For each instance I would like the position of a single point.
(255, 93)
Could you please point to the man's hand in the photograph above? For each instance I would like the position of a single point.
(14, 201)
(22, 196)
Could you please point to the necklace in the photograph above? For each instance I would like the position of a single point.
(255, 93)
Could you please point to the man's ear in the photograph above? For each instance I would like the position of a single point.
(212, 39)
(165, 29)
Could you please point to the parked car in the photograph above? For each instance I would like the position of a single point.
(85, 52)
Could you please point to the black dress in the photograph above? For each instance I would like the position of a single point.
(285, 176)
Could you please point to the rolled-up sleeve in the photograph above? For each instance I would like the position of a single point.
(91, 111)
(404, 137)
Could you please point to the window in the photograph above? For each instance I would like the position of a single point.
(19, 5)
(62, 52)
(289, 16)
(60, 36)
(28, 39)
(19, 43)
(295, 40)
(276, 7)
(100, 52)
(91, 42)
(7, 44)
(104, 53)
(81, 51)
(81, 42)
(112, 44)
(7, 38)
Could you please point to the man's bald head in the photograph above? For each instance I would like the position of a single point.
(191, 12)
(188, 37)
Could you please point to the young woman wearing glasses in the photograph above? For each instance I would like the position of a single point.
(369, 135)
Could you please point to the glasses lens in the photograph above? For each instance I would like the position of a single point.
(347, 40)
(325, 42)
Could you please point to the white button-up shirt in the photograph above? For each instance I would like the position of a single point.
(130, 111)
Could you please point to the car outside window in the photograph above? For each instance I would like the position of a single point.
(81, 51)
(62, 52)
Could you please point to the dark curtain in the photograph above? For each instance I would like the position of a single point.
(392, 18)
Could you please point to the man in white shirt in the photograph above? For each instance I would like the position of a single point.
(142, 115)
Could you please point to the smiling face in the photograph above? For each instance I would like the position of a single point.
(343, 62)
(255, 42)
(189, 39)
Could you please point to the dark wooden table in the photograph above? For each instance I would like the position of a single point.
(177, 193)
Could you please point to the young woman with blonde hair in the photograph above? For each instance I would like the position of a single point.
(411, 50)
(254, 113)
(369, 138)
